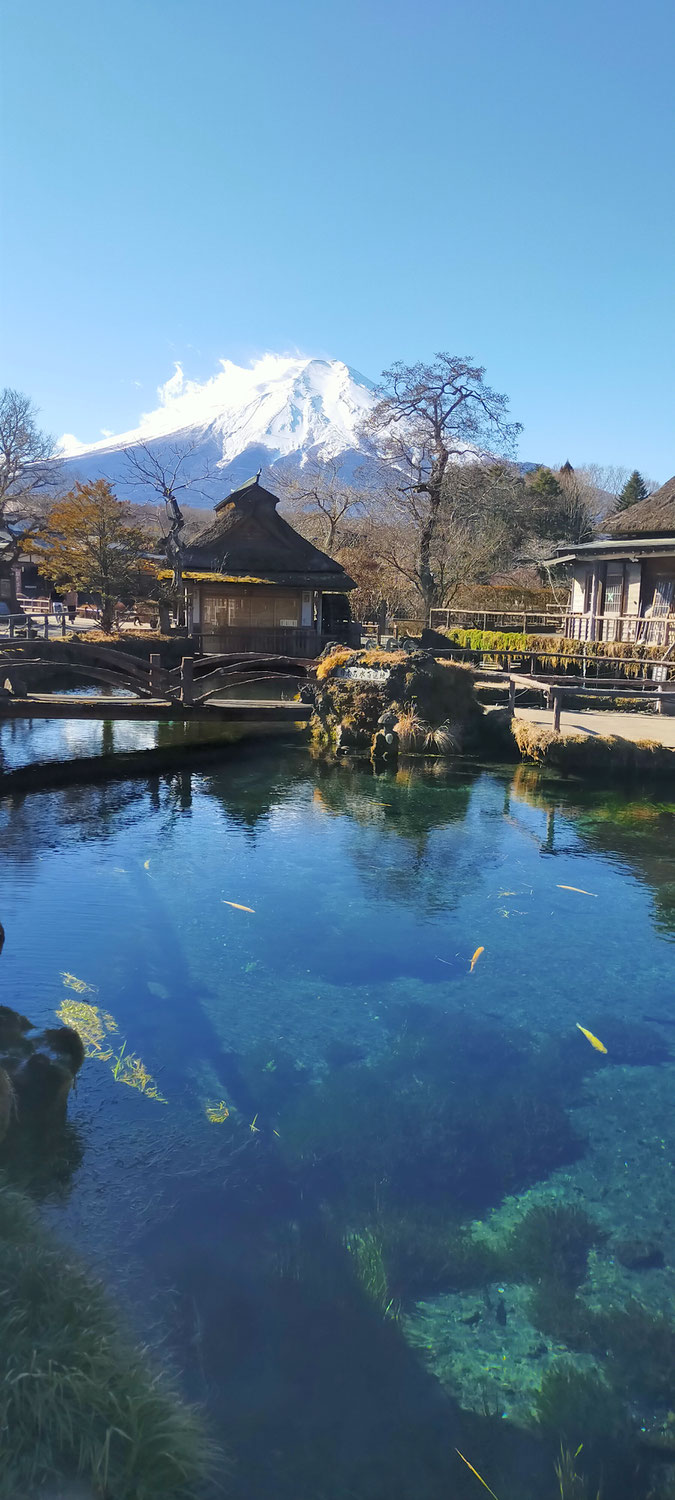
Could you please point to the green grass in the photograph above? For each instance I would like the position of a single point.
(76, 1397)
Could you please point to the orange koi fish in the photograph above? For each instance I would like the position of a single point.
(238, 906)
(475, 959)
(578, 890)
(594, 1040)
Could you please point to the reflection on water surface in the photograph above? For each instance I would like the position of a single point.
(392, 1207)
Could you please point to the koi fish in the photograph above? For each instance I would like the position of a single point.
(146, 865)
(238, 906)
(594, 1040)
(478, 1476)
(578, 890)
(475, 959)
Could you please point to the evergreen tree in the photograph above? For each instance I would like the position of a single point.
(634, 489)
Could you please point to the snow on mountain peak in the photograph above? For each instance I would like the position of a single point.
(281, 407)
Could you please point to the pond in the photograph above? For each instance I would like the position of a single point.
(340, 1145)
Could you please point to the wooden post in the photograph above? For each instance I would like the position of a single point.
(155, 664)
(63, 623)
(595, 593)
(47, 627)
(512, 696)
(659, 698)
(557, 703)
(186, 681)
(11, 627)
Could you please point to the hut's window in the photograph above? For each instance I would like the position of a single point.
(250, 608)
(588, 589)
(663, 596)
(613, 591)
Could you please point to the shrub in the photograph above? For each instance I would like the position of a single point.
(75, 1397)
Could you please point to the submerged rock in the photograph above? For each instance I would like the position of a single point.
(36, 1071)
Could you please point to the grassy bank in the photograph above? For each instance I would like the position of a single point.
(77, 1399)
(589, 755)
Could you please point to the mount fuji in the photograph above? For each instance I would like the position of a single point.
(281, 410)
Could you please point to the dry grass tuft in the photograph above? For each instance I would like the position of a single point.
(412, 731)
(342, 656)
(441, 741)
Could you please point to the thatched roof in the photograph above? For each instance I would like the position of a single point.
(651, 517)
(249, 540)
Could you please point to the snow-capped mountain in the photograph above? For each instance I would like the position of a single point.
(280, 410)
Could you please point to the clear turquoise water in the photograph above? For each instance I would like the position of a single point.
(370, 1077)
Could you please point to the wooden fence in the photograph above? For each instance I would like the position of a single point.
(555, 692)
(525, 621)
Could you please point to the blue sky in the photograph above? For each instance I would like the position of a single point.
(369, 179)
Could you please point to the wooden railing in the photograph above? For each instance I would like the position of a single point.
(526, 621)
(555, 692)
(194, 682)
(286, 640)
(650, 630)
(30, 626)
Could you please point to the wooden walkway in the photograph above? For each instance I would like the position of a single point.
(228, 711)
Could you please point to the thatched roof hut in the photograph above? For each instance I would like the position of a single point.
(253, 583)
(624, 583)
(654, 516)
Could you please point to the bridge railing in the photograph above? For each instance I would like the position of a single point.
(31, 626)
(195, 681)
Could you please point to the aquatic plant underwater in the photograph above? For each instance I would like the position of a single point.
(400, 1226)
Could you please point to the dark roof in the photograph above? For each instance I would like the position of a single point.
(651, 517)
(615, 549)
(249, 538)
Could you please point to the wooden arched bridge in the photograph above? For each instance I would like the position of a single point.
(144, 689)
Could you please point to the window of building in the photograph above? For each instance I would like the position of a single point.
(613, 591)
(663, 597)
(250, 608)
(588, 590)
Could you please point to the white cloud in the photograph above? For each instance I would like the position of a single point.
(68, 444)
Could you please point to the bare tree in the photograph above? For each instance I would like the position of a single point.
(168, 474)
(481, 526)
(429, 420)
(318, 491)
(29, 472)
